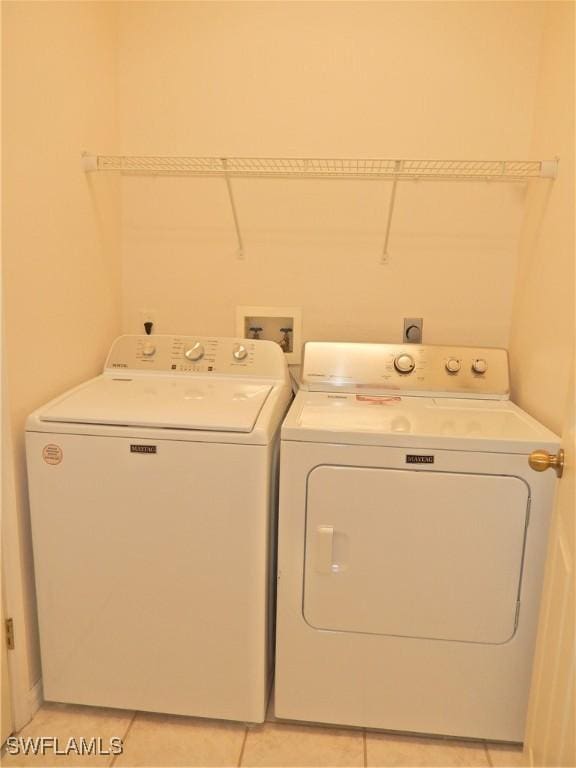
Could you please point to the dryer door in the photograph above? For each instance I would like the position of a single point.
(414, 553)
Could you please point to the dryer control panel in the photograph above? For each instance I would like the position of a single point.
(479, 372)
(197, 355)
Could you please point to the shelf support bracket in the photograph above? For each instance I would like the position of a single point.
(89, 162)
(385, 257)
(240, 251)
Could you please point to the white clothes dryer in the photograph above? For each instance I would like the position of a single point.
(153, 494)
(412, 539)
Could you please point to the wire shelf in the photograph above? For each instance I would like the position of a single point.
(325, 168)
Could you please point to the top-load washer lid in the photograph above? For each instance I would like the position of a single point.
(222, 405)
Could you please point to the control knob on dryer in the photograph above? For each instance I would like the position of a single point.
(452, 365)
(404, 363)
(479, 365)
(196, 352)
(148, 350)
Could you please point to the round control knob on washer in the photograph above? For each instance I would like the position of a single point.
(148, 350)
(452, 365)
(239, 352)
(196, 352)
(480, 365)
(404, 363)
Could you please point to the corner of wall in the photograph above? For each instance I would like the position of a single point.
(542, 330)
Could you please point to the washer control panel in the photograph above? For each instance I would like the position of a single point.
(412, 369)
(197, 355)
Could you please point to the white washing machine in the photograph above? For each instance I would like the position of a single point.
(412, 539)
(153, 492)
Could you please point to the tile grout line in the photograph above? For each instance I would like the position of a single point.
(487, 750)
(242, 748)
(364, 740)
(124, 737)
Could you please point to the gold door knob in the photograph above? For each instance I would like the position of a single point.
(541, 460)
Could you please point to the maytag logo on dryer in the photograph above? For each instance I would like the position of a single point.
(143, 448)
(419, 459)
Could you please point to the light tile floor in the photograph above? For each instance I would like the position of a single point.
(164, 741)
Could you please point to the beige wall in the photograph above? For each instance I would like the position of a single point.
(542, 335)
(60, 228)
(349, 79)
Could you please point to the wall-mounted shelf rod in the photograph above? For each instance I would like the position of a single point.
(324, 168)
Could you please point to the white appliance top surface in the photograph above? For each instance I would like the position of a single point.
(176, 382)
(163, 401)
(407, 395)
(490, 425)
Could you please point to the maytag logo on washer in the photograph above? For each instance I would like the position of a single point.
(414, 459)
(143, 449)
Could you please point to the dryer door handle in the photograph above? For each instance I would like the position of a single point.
(324, 547)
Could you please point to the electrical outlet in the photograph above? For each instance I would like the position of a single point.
(148, 316)
(412, 330)
(280, 324)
